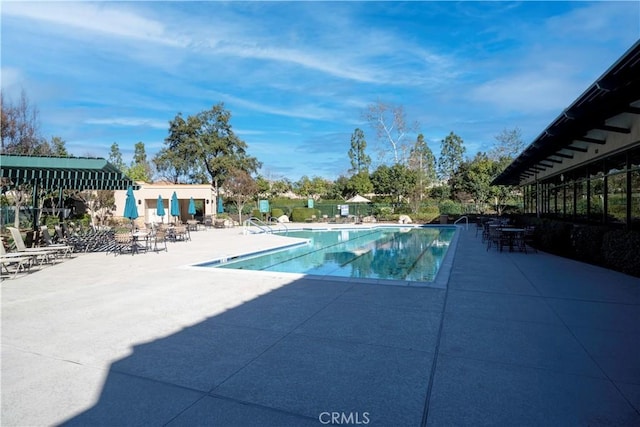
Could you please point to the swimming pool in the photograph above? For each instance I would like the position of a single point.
(409, 254)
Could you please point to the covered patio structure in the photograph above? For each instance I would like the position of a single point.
(38, 174)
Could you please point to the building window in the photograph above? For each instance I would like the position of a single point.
(617, 198)
(568, 200)
(581, 199)
(635, 197)
(597, 199)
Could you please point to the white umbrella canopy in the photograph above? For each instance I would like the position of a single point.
(358, 199)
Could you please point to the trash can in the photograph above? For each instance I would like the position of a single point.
(443, 219)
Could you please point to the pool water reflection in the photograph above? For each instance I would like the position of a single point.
(393, 253)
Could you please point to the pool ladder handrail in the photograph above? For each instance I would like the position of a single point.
(466, 218)
(273, 220)
(256, 222)
(261, 225)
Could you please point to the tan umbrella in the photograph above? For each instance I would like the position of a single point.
(358, 199)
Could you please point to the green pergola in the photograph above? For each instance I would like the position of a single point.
(60, 173)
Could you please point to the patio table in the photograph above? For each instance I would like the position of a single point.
(514, 235)
(136, 238)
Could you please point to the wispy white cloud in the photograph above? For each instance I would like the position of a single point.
(12, 80)
(302, 111)
(106, 18)
(128, 122)
(297, 75)
(597, 21)
(526, 92)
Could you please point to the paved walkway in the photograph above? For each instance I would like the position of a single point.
(515, 339)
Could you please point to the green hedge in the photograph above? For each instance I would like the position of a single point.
(303, 214)
(587, 243)
(594, 244)
(449, 207)
(620, 251)
(277, 212)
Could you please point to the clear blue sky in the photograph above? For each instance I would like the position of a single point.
(297, 76)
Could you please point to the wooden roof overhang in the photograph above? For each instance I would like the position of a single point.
(589, 120)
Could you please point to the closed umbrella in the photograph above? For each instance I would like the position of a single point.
(130, 208)
(192, 207)
(220, 205)
(175, 206)
(160, 208)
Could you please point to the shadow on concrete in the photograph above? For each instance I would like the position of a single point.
(293, 356)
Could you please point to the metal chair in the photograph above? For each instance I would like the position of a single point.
(160, 238)
(124, 242)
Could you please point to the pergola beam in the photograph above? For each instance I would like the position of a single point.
(591, 140)
(579, 149)
(616, 129)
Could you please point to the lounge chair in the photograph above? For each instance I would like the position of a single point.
(32, 256)
(21, 247)
(46, 238)
(22, 263)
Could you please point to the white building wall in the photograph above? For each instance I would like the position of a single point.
(147, 197)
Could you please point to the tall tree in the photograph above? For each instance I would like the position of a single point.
(451, 155)
(472, 181)
(508, 144)
(280, 187)
(20, 132)
(396, 181)
(360, 161)
(176, 161)
(359, 183)
(58, 147)
(204, 148)
(100, 204)
(240, 187)
(311, 187)
(218, 148)
(390, 124)
(115, 157)
(140, 169)
(423, 162)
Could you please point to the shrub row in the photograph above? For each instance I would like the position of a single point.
(594, 244)
(303, 214)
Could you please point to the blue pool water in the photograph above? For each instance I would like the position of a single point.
(392, 253)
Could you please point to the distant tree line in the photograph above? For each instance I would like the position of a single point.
(203, 148)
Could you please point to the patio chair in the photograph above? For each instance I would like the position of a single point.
(46, 238)
(43, 250)
(160, 238)
(181, 232)
(497, 238)
(123, 243)
(529, 237)
(21, 261)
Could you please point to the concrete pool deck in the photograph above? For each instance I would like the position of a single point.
(515, 339)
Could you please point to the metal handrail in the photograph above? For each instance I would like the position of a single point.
(253, 221)
(273, 220)
(466, 218)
